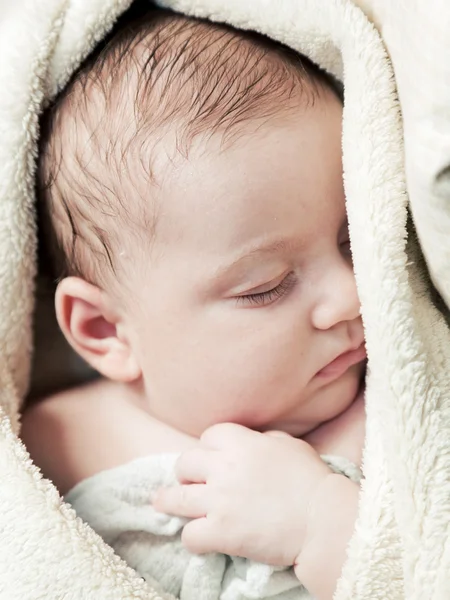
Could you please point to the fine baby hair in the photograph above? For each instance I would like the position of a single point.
(157, 75)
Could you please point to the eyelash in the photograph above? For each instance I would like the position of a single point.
(270, 296)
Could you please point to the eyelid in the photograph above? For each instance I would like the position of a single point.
(270, 296)
(264, 287)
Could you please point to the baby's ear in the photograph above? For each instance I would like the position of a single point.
(92, 326)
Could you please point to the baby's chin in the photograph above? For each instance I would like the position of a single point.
(324, 404)
(338, 396)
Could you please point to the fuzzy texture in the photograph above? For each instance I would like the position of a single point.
(422, 70)
(400, 549)
(116, 504)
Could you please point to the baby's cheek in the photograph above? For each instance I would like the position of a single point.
(343, 394)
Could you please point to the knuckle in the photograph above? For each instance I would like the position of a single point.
(221, 520)
(212, 433)
(224, 434)
(227, 471)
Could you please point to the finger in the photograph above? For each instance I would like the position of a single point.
(182, 500)
(205, 535)
(193, 466)
(223, 435)
(276, 433)
(196, 537)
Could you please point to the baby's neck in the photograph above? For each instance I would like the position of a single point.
(101, 425)
(343, 436)
(160, 437)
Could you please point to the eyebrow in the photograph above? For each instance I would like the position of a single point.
(277, 246)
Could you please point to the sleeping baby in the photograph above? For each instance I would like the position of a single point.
(192, 203)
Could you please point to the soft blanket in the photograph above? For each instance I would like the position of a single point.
(117, 505)
(401, 547)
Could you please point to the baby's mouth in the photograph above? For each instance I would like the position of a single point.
(342, 363)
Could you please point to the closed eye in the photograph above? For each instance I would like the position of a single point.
(267, 297)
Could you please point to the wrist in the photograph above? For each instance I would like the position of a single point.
(330, 524)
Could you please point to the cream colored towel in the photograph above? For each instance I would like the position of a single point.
(417, 35)
(401, 547)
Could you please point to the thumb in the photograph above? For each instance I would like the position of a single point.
(276, 433)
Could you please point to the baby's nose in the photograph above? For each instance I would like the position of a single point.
(338, 299)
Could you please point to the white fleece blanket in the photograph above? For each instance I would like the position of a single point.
(401, 547)
(117, 505)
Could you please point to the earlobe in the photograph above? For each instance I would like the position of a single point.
(91, 325)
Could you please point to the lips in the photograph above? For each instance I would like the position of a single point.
(343, 362)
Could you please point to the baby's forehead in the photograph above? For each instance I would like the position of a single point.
(161, 82)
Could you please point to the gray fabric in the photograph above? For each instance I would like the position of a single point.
(117, 505)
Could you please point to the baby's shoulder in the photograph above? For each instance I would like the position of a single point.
(78, 433)
(74, 434)
(78, 407)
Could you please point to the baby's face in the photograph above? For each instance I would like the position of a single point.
(249, 292)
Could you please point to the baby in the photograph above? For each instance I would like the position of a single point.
(193, 200)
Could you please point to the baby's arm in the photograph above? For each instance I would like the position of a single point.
(267, 498)
(330, 526)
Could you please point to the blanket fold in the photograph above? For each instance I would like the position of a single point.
(401, 546)
(117, 505)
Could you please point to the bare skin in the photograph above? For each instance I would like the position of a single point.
(128, 432)
(240, 321)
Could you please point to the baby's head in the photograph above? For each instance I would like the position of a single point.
(192, 195)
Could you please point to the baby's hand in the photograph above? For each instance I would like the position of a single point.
(249, 494)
